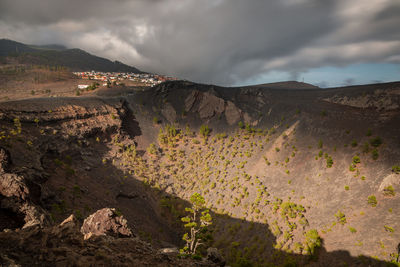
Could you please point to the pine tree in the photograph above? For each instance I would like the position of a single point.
(197, 221)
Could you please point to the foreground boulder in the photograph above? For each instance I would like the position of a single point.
(106, 221)
(64, 245)
(214, 256)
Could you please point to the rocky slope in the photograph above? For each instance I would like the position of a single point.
(280, 169)
(64, 245)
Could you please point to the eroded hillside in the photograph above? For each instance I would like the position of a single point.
(278, 168)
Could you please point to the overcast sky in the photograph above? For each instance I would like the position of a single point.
(226, 42)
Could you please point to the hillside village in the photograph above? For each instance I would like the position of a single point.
(119, 78)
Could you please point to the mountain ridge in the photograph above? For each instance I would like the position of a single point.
(57, 55)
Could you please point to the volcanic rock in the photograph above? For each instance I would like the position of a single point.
(106, 222)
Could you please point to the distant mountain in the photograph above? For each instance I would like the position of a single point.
(8, 47)
(58, 55)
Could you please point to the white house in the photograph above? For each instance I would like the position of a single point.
(82, 86)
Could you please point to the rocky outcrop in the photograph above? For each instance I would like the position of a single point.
(232, 113)
(169, 112)
(214, 256)
(379, 99)
(191, 99)
(208, 106)
(205, 103)
(105, 222)
(15, 198)
(5, 160)
(77, 117)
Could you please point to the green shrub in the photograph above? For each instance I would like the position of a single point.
(396, 169)
(329, 162)
(205, 130)
(372, 201)
(389, 191)
(376, 142)
(171, 130)
(341, 218)
(354, 143)
(313, 242)
(356, 159)
(241, 125)
(152, 149)
(388, 228)
(346, 188)
(58, 162)
(352, 230)
(365, 148)
(213, 185)
(369, 132)
(352, 167)
(320, 144)
(249, 129)
(375, 154)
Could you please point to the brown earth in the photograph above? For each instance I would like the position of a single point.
(266, 184)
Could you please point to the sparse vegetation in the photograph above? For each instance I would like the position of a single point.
(152, 149)
(254, 191)
(372, 201)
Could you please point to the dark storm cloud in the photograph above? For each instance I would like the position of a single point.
(216, 41)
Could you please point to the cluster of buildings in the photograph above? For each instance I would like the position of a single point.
(146, 79)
